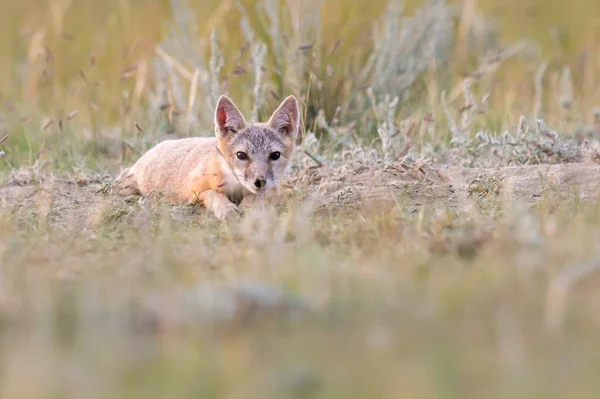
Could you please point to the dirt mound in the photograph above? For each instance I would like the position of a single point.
(426, 184)
(70, 200)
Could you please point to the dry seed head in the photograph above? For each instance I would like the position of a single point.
(247, 29)
(565, 88)
(483, 137)
(508, 138)
(482, 108)
(540, 125)
(596, 113)
(522, 127)
(323, 124)
(72, 115)
(453, 127)
(259, 51)
(216, 63)
(539, 88)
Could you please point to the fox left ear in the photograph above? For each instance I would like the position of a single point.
(228, 119)
(286, 118)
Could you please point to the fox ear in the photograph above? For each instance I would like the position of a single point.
(286, 118)
(228, 119)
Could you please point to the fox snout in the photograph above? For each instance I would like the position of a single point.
(260, 182)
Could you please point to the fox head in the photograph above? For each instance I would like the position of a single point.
(258, 153)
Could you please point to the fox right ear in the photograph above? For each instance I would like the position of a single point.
(286, 118)
(228, 119)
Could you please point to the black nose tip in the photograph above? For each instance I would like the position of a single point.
(260, 182)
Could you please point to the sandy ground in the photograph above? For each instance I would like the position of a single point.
(80, 200)
(427, 184)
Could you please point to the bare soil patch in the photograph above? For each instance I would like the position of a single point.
(429, 184)
(78, 201)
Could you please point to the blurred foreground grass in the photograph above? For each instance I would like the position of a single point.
(104, 297)
(380, 302)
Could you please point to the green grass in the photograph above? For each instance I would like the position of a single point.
(411, 290)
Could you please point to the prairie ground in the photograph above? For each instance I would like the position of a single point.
(436, 235)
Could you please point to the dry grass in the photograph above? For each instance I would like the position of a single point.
(436, 237)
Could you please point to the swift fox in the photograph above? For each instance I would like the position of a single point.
(218, 172)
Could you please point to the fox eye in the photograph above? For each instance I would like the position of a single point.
(275, 156)
(242, 156)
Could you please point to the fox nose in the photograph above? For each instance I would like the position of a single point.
(260, 182)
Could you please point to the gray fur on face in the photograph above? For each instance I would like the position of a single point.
(258, 142)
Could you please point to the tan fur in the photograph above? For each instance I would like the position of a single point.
(209, 170)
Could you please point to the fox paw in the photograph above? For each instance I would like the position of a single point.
(226, 211)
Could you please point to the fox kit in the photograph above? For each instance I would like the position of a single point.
(243, 159)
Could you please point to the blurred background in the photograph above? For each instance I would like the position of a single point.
(428, 295)
(120, 72)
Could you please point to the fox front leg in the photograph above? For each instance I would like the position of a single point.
(219, 204)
